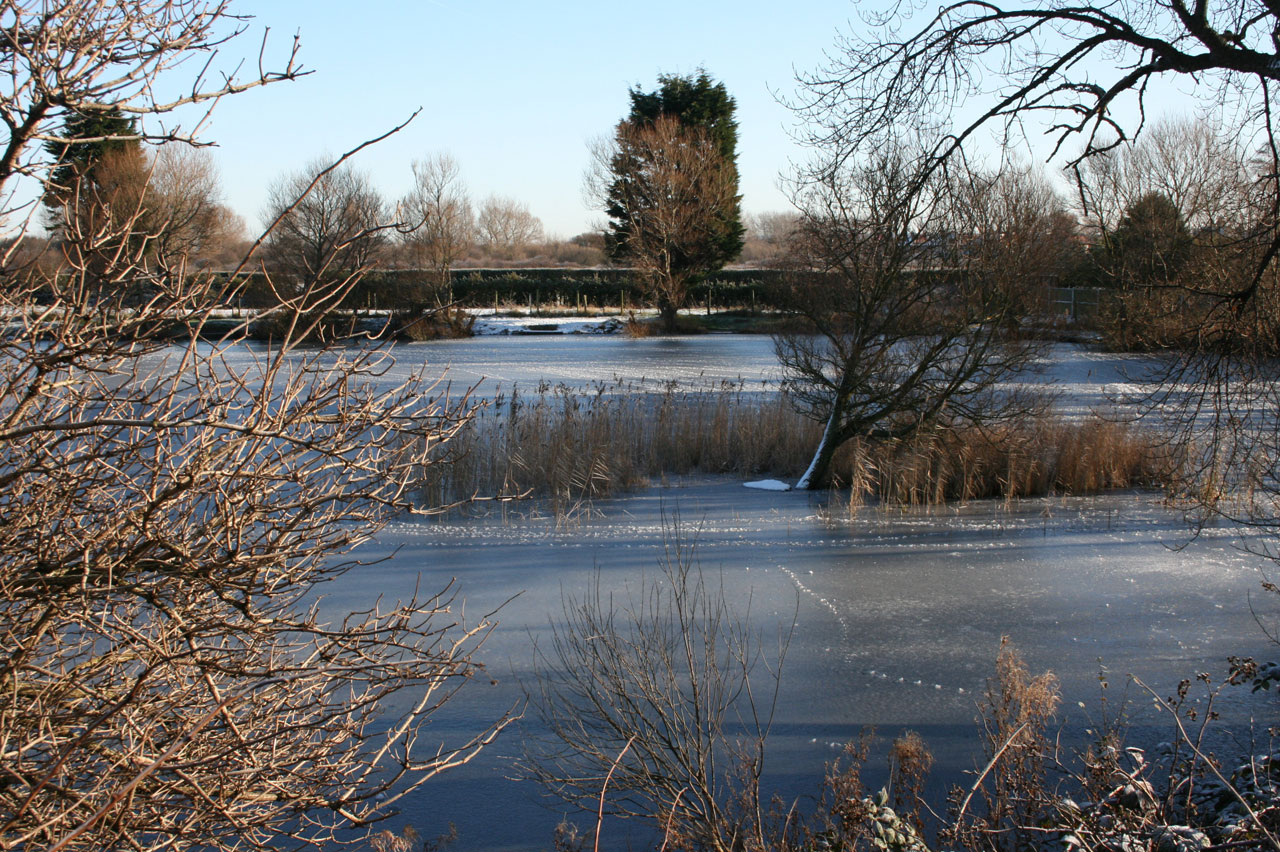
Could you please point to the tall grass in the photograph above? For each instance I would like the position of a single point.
(573, 446)
(1033, 457)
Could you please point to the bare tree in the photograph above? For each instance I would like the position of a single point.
(183, 207)
(226, 242)
(1082, 74)
(330, 223)
(504, 225)
(678, 191)
(911, 289)
(438, 224)
(775, 228)
(1012, 63)
(769, 237)
(1205, 175)
(1014, 232)
(648, 689)
(1174, 224)
(168, 510)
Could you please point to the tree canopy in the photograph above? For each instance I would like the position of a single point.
(697, 101)
(88, 136)
(684, 115)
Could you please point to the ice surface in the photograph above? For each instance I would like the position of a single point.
(1082, 380)
(899, 614)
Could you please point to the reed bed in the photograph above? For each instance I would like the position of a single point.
(1030, 458)
(571, 446)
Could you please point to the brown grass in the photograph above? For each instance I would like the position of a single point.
(639, 327)
(1025, 459)
(573, 446)
(1014, 790)
(445, 323)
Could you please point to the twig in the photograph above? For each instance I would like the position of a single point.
(1182, 732)
(990, 765)
(125, 790)
(605, 786)
(671, 817)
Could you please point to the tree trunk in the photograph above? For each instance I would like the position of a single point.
(667, 312)
(819, 470)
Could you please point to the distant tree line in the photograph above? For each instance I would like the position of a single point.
(1154, 224)
(603, 287)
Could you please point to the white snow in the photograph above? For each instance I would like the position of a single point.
(487, 323)
(768, 485)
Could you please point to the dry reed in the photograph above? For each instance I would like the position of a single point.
(572, 446)
(1027, 458)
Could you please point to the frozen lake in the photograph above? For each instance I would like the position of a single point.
(900, 614)
(900, 617)
(1085, 379)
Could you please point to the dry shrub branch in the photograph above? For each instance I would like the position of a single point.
(647, 695)
(167, 511)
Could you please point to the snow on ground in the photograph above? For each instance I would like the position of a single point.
(768, 485)
(488, 323)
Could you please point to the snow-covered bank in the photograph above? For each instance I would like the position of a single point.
(488, 323)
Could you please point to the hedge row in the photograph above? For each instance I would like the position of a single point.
(602, 288)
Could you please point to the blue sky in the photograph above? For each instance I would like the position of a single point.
(514, 91)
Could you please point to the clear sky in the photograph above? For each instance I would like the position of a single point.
(513, 90)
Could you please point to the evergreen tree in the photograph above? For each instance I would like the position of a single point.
(96, 197)
(88, 137)
(704, 108)
(696, 102)
(1150, 245)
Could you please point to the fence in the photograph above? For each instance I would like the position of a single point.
(1077, 304)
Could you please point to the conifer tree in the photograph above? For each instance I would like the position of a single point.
(703, 109)
(88, 136)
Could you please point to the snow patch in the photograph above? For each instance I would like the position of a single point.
(488, 324)
(768, 485)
